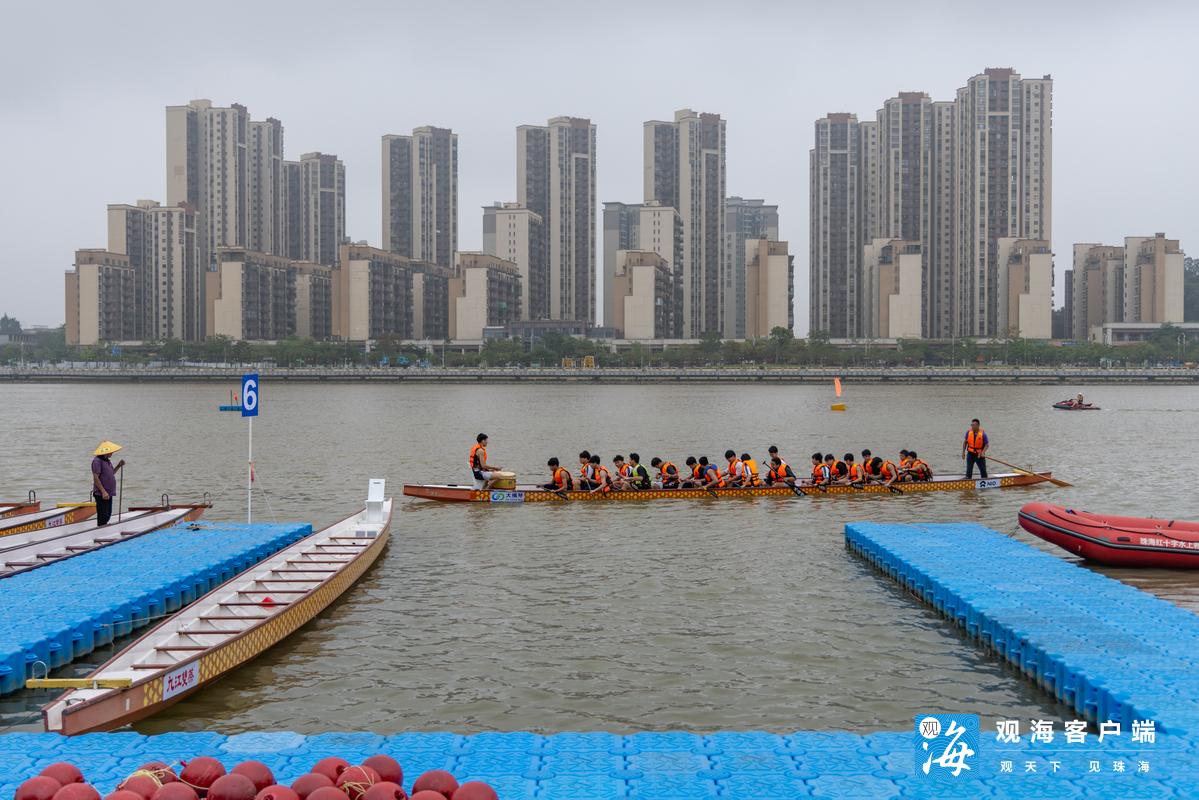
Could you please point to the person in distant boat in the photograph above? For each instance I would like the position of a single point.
(638, 474)
(1078, 401)
(104, 479)
(735, 473)
(484, 473)
(751, 468)
(696, 474)
(857, 475)
(821, 474)
(974, 450)
(779, 472)
(601, 477)
(587, 477)
(560, 480)
(710, 474)
(668, 473)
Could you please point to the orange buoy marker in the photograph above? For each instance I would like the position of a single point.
(837, 406)
(837, 388)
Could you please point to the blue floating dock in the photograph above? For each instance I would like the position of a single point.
(63, 611)
(605, 766)
(1107, 649)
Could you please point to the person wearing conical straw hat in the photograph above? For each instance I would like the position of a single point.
(104, 479)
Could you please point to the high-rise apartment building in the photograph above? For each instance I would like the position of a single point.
(684, 169)
(555, 178)
(1139, 282)
(836, 237)
(100, 298)
(256, 296)
(377, 293)
(208, 167)
(484, 293)
(892, 300)
(321, 216)
(420, 195)
(743, 220)
(162, 244)
(649, 227)
(1025, 303)
(954, 178)
(769, 287)
(643, 296)
(516, 234)
(265, 232)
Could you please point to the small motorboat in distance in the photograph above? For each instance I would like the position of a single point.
(1072, 405)
(1119, 541)
(232, 624)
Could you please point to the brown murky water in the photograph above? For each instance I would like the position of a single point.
(690, 615)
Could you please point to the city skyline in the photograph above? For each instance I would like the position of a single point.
(1097, 197)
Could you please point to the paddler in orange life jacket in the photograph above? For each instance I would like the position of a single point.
(668, 473)
(857, 474)
(779, 471)
(710, 474)
(602, 478)
(622, 474)
(735, 473)
(483, 472)
(822, 475)
(560, 478)
(905, 458)
(868, 465)
(974, 450)
(586, 473)
(695, 476)
(839, 469)
(751, 467)
(917, 470)
(885, 469)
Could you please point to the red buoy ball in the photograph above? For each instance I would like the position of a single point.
(43, 787)
(200, 773)
(232, 787)
(77, 791)
(307, 784)
(142, 785)
(63, 772)
(176, 790)
(427, 794)
(277, 792)
(385, 790)
(331, 767)
(388, 768)
(123, 794)
(328, 793)
(436, 780)
(354, 781)
(258, 773)
(475, 790)
(159, 770)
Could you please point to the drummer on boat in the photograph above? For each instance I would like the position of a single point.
(484, 473)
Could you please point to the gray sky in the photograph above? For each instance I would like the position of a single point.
(83, 86)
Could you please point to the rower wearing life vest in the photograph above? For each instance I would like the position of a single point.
(620, 473)
(821, 474)
(779, 471)
(586, 471)
(905, 459)
(886, 470)
(735, 473)
(857, 474)
(918, 470)
(668, 473)
(837, 469)
(602, 477)
(483, 472)
(695, 475)
(710, 473)
(974, 450)
(638, 474)
(751, 467)
(868, 465)
(560, 478)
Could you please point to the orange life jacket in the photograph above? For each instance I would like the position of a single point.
(888, 470)
(587, 472)
(751, 467)
(624, 470)
(820, 473)
(857, 473)
(664, 471)
(921, 470)
(905, 462)
(779, 473)
(868, 467)
(974, 441)
(602, 476)
(841, 469)
(736, 469)
(482, 452)
(697, 471)
(713, 470)
(562, 477)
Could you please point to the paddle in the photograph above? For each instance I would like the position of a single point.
(1052, 480)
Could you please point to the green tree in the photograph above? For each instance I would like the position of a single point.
(1190, 290)
(709, 345)
(9, 324)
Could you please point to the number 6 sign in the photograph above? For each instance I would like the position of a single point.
(249, 395)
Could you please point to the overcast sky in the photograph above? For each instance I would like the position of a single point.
(83, 87)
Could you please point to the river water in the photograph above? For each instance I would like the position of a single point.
(620, 617)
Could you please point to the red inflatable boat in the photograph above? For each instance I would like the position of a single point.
(1122, 541)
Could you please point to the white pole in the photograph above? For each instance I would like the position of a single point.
(250, 474)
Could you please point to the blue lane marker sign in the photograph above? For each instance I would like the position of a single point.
(249, 395)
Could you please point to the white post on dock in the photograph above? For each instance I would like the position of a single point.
(249, 409)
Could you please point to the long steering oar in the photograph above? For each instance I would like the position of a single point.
(1022, 471)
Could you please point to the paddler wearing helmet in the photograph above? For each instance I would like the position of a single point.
(104, 479)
